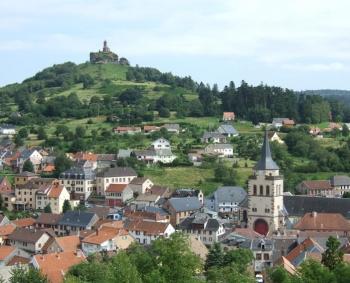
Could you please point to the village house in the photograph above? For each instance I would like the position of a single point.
(72, 222)
(213, 137)
(80, 182)
(220, 149)
(185, 193)
(106, 160)
(324, 222)
(62, 244)
(147, 199)
(181, 208)
(282, 122)
(5, 231)
(28, 222)
(30, 240)
(314, 131)
(161, 143)
(7, 129)
(33, 156)
(26, 194)
(106, 239)
(145, 232)
(340, 184)
(151, 156)
(227, 130)
(53, 196)
(5, 185)
(228, 116)
(127, 130)
(114, 175)
(140, 185)
(203, 227)
(118, 194)
(228, 202)
(172, 128)
(7, 253)
(274, 137)
(150, 129)
(23, 177)
(316, 188)
(55, 265)
(48, 221)
(148, 213)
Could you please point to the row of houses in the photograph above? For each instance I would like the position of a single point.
(131, 130)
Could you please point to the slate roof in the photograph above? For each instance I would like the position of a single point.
(227, 129)
(266, 162)
(26, 235)
(210, 135)
(299, 205)
(340, 180)
(229, 194)
(192, 222)
(117, 172)
(77, 218)
(124, 153)
(26, 153)
(78, 173)
(185, 204)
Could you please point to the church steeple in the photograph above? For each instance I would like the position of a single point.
(266, 162)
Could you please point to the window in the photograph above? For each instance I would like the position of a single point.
(254, 190)
(266, 256)
(267, 190)
(261, 190)
(258, 257)
(267, 210)
(254, 209)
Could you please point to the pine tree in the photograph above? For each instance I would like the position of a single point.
(47, 209)
(66, 206)
(215, 257)
(28, 166)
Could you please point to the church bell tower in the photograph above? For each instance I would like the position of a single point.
(265, 194)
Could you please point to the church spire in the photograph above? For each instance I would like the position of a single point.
(266, 162)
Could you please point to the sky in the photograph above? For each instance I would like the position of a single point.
(298, 44)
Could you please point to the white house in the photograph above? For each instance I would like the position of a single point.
(140, 185)
(106, 239)
(145, 232)
(161, 143)
(6, 129)
(153, 156)
(221, 149)
(114, 175)
(55, 195)
(30, 240)
(30, 154)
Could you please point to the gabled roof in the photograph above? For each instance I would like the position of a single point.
(210, 135)
(200, 221)
(26, 235)
(175, 127)
(24, 222)
(104, 234)
(340, 180)
(299, 205)
(77, 218)
(7, 229)
(78, 173)
(317, 184)
(68, 243)
(56, 265)
(266, 162)
(323, 221)
(117, 172)
(185, 204)
(230, 194)
(148, 227)
(216, 146)
(139, 180)
(55, 191)
(116, 188)
(6, 251)
(227, 129)
(48, 218)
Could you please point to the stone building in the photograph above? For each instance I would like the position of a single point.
(265, 195)
(106, 56)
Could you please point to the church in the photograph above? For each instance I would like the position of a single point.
(265, 195)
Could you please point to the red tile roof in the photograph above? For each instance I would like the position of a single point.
(5, 251)
(24, 222)
(317, 184)
(323, 221)
(148, 227)
(55, 191)
(116, 188)
(104, 234)
(68, 243)
(55, 265)
(305, 245)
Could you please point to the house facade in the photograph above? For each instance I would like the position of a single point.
(55, 195)
(118, 194)
(222, 150)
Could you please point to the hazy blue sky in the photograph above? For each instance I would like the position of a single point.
(300, 44)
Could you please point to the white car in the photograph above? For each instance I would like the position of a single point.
(259, 278)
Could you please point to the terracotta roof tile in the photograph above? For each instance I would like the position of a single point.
(323, 221)
(302, 247)
(18, 260)
(68, 243)
(116, 188)
(55, 265)
(55, 191)
(48, 218)
(5, 251)
(24, 222)
(148, 227)
(317, 184)
(104, 234)
(7, 229)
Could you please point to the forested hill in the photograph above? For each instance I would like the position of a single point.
(328, 92)
(137, 94)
